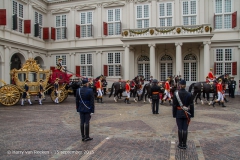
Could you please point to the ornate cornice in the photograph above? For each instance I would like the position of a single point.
(40, 8)
(60, 10)
(142, 1)
(85, 7)
(113, 4)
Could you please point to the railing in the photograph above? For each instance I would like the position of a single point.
(167, 31)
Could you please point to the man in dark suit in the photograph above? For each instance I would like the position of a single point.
(154, 94)
(85, 106)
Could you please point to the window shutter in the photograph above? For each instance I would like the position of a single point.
(215, 68)
(120, 70)
(120, 27)
(45, 33)
(14, 21)
(52, 68)
(105, 70)
(91, 71)
(105, 28)
(78, 31)
(36, 30)
(78, 71)
(214, 22)
(53, 33)
(3, 20)
(65, 32)
(91, 30)
(234, 68)
(234, 19)
(27, 26)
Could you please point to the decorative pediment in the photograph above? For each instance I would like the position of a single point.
(113, 4)
(40, 8)
(85, 7)
(60, 10)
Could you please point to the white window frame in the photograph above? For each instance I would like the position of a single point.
(223, 62)
(38, 21)
(19, 19)
(84, 67)
(223, 14)
(143, 18)
(60, 27)
(189, 15)
(64, 59)
(114, 22)
(114, 64)
(165, 17)
(86, 24)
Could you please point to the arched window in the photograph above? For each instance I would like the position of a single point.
(144, 66)
(166, 67)
(190, 67)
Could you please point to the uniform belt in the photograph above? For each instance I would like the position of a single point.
(155, 92)
(179, 108)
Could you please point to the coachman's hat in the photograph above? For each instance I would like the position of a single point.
(182, 82)
(59, 59)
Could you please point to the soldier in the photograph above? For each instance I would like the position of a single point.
(26, 94)
(56, 91)
(41, 93)
(154, 94)
(183, 110)
(104, 84)
(220, 94)
(167, 91)
(99, 89)
(127, 89)
(232, 87)
(211, 77)
(59, 65)
(85, 106)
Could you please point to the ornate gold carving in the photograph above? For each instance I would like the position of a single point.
(31, 65)
(178, 30)
(207, 28)
(151, 31)
(125, 33)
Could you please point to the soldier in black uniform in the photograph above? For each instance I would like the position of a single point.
(85, 106)
(26, 94)
(154, 94)
(183, 112)
(41, 93)
(232, 87)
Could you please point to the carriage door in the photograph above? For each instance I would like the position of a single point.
(190, 68)
(144, 67)
(166, 67)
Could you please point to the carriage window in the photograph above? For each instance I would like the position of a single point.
(42, 76)
(32, 77)
(22, 77)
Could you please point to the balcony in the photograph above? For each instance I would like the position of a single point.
(167, 31)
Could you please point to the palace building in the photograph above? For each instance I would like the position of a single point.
(123, 38)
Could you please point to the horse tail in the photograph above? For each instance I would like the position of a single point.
(190, 87)
(111, 90)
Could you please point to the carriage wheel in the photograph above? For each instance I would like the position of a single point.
(61, 98)
(66, 94)
(9, 95)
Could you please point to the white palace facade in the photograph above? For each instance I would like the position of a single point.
(123, 38)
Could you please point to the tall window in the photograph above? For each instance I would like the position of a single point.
(86, 65)
(166, 67)
(86, 24)
(18, 10)
(144, 67)
(223, 14)
(190, 68)
(165, 14)
(64, 60)
(61, 24)
(39, 20)
(223, 61)
(189, 12)
(143, 16)
(114, 21)
(114, 64)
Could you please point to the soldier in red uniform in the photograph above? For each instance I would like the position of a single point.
(167, 91)
(220, 93)
(99, 89)
(211, 77)
(127, 89)
(207, 80)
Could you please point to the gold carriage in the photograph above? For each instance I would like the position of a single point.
(10, 94)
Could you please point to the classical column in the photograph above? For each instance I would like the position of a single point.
(152, 60)
(100, 22)
(71, 29)
(126, 64)
(6, 70)
(206, 62)
(99, 66)
(131, 12)
(154, 11)
(178, 59)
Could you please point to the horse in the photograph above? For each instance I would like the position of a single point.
(206, 88)
(147, 89)
(119, 87)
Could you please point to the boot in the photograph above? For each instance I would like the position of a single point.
(87, 138)
(180, 139)
(185, 133)
(125, 100)
(97, 99)
(101, 100)
(225, 100)
(213, 103)
(223, 104)
(82, 131)
(219, 103)
(128, 101)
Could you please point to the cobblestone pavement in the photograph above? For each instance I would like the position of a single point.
(119, 131)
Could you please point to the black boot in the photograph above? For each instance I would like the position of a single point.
(101, 100)
(219, 103)
(185, 133)
(128, 101)
(97, 99)
(213, 104)
(225, 100)
(223, 104)
(82, 131)
(87, 138)
(180, 138)
(125, 100)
